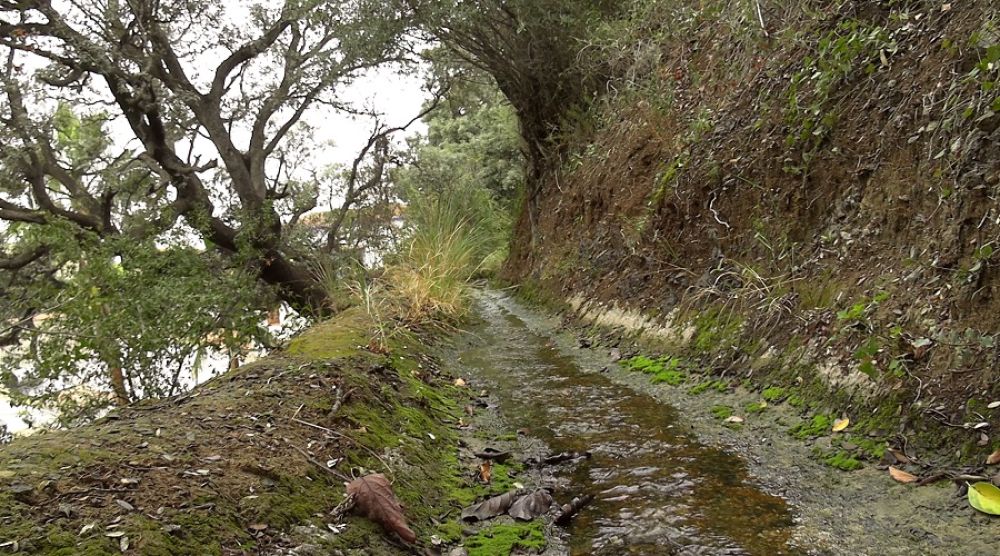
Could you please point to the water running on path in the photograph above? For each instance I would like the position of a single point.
(658, 490)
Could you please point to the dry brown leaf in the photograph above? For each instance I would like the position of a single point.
(902, 476)
(490, 508)
(994, 458)
(899, 455)
(374, 498)
(530, 506)
(485, 471)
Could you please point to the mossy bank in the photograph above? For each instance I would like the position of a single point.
(253, 460)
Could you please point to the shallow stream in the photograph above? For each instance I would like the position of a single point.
(658, 490)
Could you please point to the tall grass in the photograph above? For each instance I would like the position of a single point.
(431, 277)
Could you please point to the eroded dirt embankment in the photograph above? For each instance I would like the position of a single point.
(807, 196)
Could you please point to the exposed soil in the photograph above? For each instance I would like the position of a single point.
(824, 188)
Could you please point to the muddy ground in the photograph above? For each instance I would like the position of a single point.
(834, 511)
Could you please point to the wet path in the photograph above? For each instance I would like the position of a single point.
(658, 490)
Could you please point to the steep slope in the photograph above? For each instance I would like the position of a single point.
(799, 193)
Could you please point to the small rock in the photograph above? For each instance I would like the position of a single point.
(458, 552)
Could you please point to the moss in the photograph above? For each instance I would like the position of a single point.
(337, 338)
(868, 447)
(450, 532)
(722, 412)
(717, 385)
(664, 370)
(843, 461)
(818, 425)
(756, 407)
(714, 329)
(502, 540)
(294, 500)
(773, 394)
(194, 534)
(796, 401)
(672, 378)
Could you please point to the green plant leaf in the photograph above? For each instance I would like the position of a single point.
(985, 497)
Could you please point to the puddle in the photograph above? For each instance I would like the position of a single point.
(658, 490)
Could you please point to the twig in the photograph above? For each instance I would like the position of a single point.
(313, 461)
(573, 508)
(342, 435)
(715, 213)
(760, 16)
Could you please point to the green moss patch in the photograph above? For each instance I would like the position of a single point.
(722, 412)
(818, 425)
(717, 385)
(842, 460)
(502, 540)
(663, 370)
(774, 394)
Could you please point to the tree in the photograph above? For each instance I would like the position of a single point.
(155, 176)
(88, 314)
(210, 151)
(532, 48)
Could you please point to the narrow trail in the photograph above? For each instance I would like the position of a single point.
(658, 490)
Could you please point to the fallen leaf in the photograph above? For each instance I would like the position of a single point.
(993, 405)
(492, 453)
(123, 544)
(258, 527)
(734, 419)
(841, 424)
(899, 456)
(87, 528)
(374, 498)
(985, 497)
(115, 534)
(530, 506)
(459, 382)
(485, 471)
(994, 458)
(124, 505)
(491, 507)
(902, 476)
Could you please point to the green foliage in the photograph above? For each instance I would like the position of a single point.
(470, 161)
(846, 52)
(116, 317)
(151, 312)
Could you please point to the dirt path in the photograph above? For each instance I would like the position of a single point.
(670, 477)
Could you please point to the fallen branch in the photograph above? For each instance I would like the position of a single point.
(565, 456)
(570, 510)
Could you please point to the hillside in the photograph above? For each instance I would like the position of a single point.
(800, 194)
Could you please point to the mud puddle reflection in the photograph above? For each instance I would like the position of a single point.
(658, 491)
